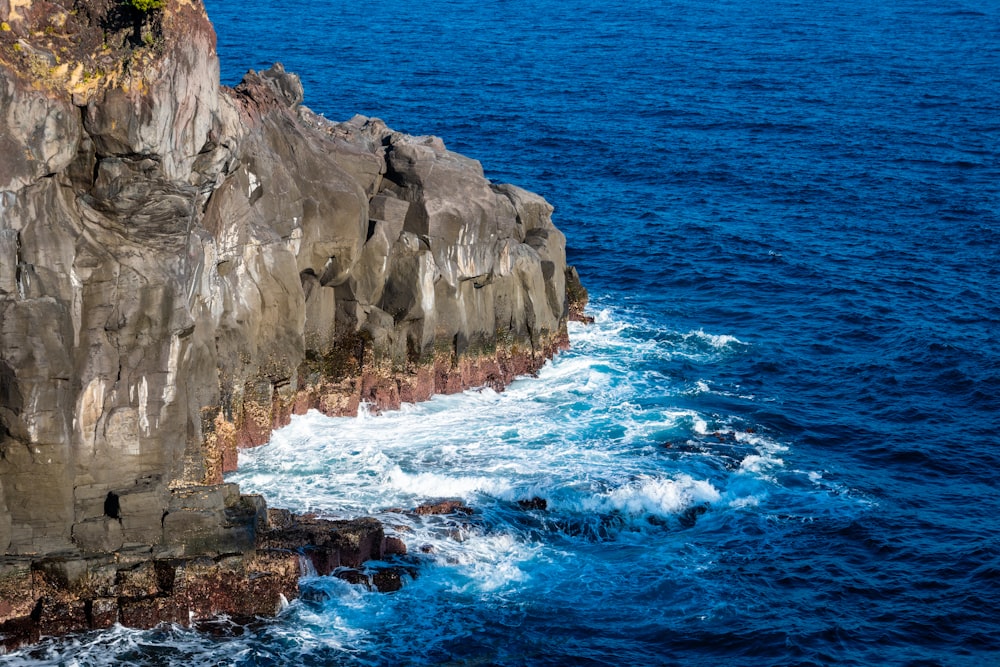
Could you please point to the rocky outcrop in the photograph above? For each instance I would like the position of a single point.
(142, 588)
(184, 266)
(577, 297)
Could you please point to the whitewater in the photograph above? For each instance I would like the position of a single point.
(778, 442)
(638, 487)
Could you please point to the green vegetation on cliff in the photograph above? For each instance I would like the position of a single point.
(144, 5)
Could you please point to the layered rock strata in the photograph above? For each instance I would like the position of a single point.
(183, 266)
(249, 566)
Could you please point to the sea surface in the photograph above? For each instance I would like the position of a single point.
(779, 442)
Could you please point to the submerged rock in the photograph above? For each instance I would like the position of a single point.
(689, 517)
(535, 503)
(183, 266)
(384, 579)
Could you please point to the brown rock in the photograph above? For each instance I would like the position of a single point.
(102, 613)
(388, 580)
(354, 577)
(331, 544)
(394, 546)
(381, 579)
(57, 595)
(443, 507)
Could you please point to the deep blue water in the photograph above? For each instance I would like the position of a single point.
(778, 444)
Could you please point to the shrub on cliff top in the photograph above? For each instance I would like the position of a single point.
(145, 5)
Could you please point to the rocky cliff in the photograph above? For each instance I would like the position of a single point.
(183, 266)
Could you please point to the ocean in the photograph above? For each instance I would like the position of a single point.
(778, 442)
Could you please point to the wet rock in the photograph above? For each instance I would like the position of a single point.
(328, 544)
(354, 577)
(394, 546)
(101, 613)
(689, 517)
(385, 579)
(314, 595)
(224, 627)
(443, 507)
(457, 534)
(140, 588)
(390, 579)
(535, 503)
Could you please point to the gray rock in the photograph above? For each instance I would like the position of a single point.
(183, 266)
(102, 534)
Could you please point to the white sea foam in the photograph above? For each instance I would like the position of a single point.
(431, 485)
(717, 341)
(661, 425)
(653, 496)
(758, 464)
(587, 436)
(581, 418)
(488, 563)
(744, 501)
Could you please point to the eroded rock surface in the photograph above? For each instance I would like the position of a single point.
(184, 266)
(143, 587)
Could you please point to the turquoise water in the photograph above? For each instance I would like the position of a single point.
(778, 443)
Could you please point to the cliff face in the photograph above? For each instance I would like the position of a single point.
(184, 266)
